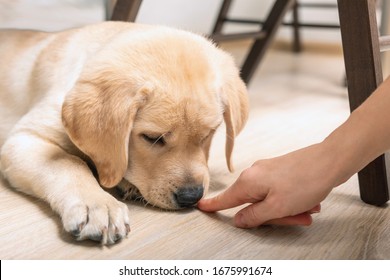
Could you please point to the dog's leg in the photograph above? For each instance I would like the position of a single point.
(45, 170)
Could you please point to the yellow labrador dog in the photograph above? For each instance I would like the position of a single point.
(113, 104)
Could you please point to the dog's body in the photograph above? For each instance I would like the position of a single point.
(138, 103)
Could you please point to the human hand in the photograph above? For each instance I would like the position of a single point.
(285, 190)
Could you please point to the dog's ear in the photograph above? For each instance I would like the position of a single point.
(236, 108)
(98, 115)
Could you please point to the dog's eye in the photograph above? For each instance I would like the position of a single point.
(154, 140)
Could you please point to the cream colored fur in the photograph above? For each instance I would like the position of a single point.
(138, 103)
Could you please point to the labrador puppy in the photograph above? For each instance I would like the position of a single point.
(113, 104)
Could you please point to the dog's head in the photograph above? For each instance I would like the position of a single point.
(145, 111)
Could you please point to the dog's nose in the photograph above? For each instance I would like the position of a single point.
(188, 196)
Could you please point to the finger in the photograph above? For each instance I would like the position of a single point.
(232, 197)
(239, 193)
(256, 214)
(304, 219)
(220, 202)
(315, 209)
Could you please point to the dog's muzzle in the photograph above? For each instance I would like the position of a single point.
(188, 196)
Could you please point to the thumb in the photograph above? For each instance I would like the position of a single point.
(255, 214)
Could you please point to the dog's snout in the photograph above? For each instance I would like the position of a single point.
(188, 196)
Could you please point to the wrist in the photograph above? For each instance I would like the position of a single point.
(351, 148)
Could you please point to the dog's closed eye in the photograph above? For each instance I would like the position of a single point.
(154, 140)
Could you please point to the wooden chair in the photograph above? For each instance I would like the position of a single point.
(262, 38)
(295, 21)
(361, 47)
(125, 10)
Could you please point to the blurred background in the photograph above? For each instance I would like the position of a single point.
(197, 16)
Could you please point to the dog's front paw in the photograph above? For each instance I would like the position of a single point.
(105, 220)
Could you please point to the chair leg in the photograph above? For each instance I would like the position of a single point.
(223, 11)
(297, 46)
(126, 10)
(271, 24)
(360, 40)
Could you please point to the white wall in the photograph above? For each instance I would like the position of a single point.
(195, 15)
(49, 15)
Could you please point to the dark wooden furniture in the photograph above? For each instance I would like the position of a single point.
(295, 22)
(361, 46)
(262, 38)
(126, 10)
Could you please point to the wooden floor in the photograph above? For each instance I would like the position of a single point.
(296, 100)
